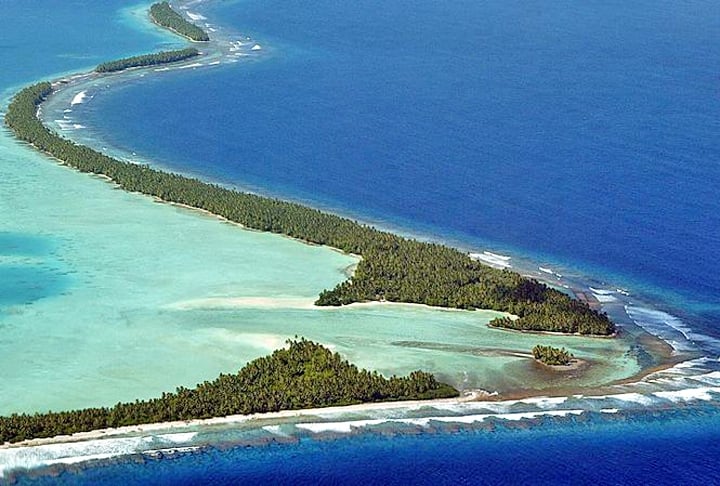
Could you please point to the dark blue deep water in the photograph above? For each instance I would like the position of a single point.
(585, 133)
(672, 451)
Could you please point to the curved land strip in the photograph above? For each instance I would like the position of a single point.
(164, 57)
(162, 14)
(305, 375)
(392, 268)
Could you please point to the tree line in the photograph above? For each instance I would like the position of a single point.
(163, 14)
(304, 375)
(552, 356)
(392, 268)
(163, 57)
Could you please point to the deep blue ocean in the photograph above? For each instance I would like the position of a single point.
(584, 134)
(673, 450)
(580, 134)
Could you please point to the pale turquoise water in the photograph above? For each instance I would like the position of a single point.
(98, 334)
(122, 320)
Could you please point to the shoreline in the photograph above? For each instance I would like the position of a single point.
(234, 419)
(468, 397)
(263, 302)
(578, 285)
(188, 39)
(212, 53)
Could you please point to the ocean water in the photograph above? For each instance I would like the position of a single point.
(580, 136)
(590, 450)
(584, 134)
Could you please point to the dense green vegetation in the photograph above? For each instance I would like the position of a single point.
(163, 57)
(163, 14)
(305, 375)
(552, 356)
(393, 268)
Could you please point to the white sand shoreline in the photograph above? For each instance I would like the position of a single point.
(263, 302)
(180, 425)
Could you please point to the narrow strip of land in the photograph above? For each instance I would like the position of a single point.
(392, 268)
(164, 57)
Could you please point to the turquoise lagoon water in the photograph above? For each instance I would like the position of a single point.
(110, 296)
(125, 297)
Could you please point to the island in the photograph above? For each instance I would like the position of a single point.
(163, 57)
(162, 14)
(551, 356)
(303, 375)
(392, 268)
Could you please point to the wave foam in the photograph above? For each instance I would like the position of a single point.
(79, 98)
(689, 394)
(350, 426)
(178, 437)
(195, 16)
(491, 258)
(663, 325)
(66, 125)
(20, 458)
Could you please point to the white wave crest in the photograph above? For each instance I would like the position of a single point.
(689, 394)
(625, 397)
(349, 426)
(602, 295)
(79, 98)
(663, 325)
(601, 291)
(494, 259)
(178, 438)
(68, 453)
(66, 125)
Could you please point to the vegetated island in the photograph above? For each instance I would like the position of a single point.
(164, 57)
(162, 14)
(304, 375)
(392, 268)
(551, 356)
